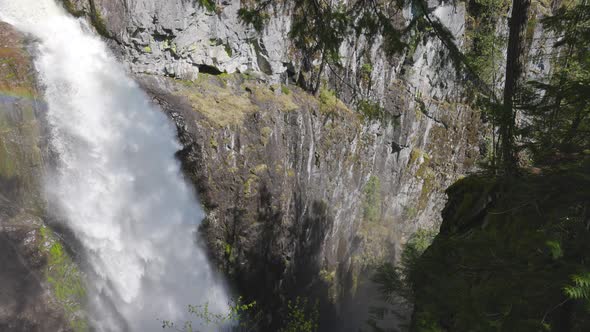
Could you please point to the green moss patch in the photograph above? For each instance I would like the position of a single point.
(98, 21)
(329, 103)
(250, 186)
(65, 279)
(372, 200)
(71, 8)
(370, 110)
(227, 99)
(222, 106)
(8, 167)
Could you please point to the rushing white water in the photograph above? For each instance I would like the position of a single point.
(117, 183)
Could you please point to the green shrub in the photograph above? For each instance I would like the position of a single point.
(370, 110)
(209, 5)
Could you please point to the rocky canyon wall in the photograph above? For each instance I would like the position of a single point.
(303, 193)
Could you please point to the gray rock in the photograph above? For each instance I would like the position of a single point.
(307, 195)
(309, 221)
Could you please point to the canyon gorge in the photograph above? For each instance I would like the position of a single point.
(161, 154)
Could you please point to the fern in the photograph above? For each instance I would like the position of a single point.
(555, 249)
(580, 290)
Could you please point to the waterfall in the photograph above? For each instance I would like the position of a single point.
(117, 184)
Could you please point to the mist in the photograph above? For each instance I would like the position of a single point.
(116, 184)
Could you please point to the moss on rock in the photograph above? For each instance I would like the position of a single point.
(329, 103)
(372, 200)
(21, 205)
(507, 246)
(65, 279)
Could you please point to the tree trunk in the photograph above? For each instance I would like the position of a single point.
(514, 64)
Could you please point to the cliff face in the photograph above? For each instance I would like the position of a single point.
(304, 193)
(180, 38)
(36, 275)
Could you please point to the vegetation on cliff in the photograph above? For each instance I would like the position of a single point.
(65, 279)
(319, 29)
(513, 249)
(512, 255)
(49, 269)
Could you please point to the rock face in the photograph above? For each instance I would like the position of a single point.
(20, 155)
(26, 300)
(179, 38)
(41, 286)
(304, 193)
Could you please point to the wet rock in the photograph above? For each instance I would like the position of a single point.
(298, 187)
(26, 299)
(303, 194)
